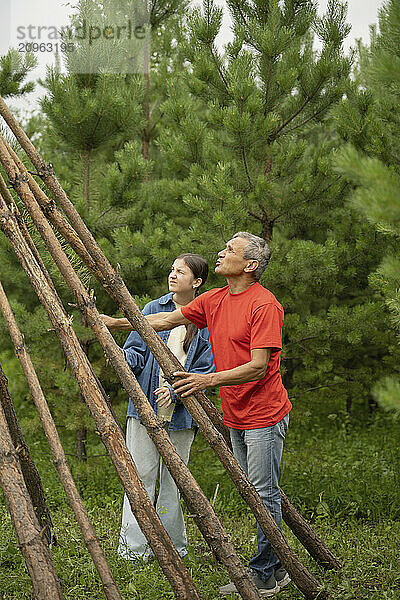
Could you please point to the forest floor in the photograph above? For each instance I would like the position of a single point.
(342, 474)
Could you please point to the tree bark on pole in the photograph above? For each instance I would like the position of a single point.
(110, 432)
(29, 534)
(59, 459)
(197, 502)
(117, 290)
(29, 471)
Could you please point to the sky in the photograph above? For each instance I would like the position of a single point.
(36, 20)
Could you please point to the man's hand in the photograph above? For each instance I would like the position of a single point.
(251, 371)
(189, 383)
(163, 396)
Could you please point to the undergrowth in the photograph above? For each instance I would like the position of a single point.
(342, 474)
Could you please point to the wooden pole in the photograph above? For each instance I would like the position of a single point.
(307, 536)
(197, 502)
(29, 534)
(29, 471)
(311, 541)
(59, 459)
(110, 432)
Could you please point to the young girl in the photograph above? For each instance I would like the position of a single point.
(192, 347)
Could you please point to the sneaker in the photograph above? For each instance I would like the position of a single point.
(265, 588)
(282, 577)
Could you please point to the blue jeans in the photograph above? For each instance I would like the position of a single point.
(259, 453)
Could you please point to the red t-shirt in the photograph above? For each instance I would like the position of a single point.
(239, 323)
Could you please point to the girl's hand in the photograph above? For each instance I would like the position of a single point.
(164, 396)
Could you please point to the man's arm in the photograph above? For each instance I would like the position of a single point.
(251, 371)
(159, 321)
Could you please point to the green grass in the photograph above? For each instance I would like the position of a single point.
(343, 476)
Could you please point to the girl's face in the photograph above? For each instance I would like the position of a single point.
(181, 278)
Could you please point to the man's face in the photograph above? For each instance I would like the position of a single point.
(230, 260)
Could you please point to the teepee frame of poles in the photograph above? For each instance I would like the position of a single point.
(47, 216)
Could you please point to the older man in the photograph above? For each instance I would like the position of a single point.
(245, 324)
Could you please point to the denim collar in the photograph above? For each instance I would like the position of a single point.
(166, 298)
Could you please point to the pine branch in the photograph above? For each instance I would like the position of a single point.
(152, 128)
(103, 213)
(318, 387)
(319, 111)
(310, 198)
(310, 337)
(257, 217)
(297, 112)
(246, 168)
(215, 61)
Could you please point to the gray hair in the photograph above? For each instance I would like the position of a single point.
(257, 249)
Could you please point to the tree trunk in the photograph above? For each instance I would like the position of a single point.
(194, 497)
(81, 433)
(267, 228)
(59, 459)
(86, 179)
(31, 476)
(146, 108)
(29, 534)
(110, 432)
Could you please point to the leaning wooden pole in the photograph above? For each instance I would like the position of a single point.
(307, 536)
(197, 502)
(116, 288)
(29, 533)
(110, 432)
(300, 575)
(29, 471)
(59, 459)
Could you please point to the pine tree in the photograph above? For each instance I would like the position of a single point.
(223, 162)
(92, 121)
(14, 69)
(251, 146)
(90, 112)
(369, 120)
(138, 215)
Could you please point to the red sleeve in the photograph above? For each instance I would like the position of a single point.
(194, 312)
(266, 327)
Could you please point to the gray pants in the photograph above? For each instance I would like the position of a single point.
(132, 542)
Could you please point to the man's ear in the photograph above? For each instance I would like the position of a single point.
(252, 266)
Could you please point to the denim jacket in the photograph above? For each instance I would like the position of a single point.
(146, 368)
